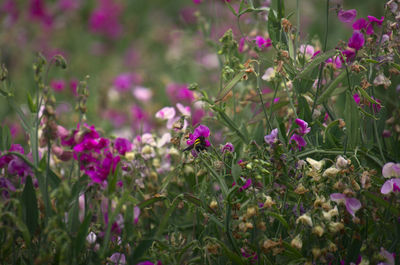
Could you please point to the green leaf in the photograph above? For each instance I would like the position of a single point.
(150, 201)
(352, 120)
(274, 27)
(141, 249)
(279, 218)
(231, 9)
(73, 216)
(281, 9)
(167, 215)
(229, 86)
(320, 58)
(385, 204)
(53, 179)
(32, 106)
(365, 95)
(330, 125)
(6, 138)
(332, 87)
(235, 258)
(30, 212)
(82, 234)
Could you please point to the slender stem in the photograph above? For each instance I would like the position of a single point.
(322, 64)
(260, 94)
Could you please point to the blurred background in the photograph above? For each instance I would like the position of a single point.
(140, 55)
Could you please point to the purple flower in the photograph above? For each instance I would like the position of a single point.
(14, 164)
(347, 16)
(300, 142)
(389, 257)
(352, 204)
(356, 41)
(228, 147)
(122, 145)
(304, 129)
(391, 185)
(149, 263)
(272, 138)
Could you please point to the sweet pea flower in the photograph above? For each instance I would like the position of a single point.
(142, 93)
(356, 41)
(136, 214)
(262, 42)
(352, 204)
(122, 145)
(304, 129)
(228, 147)
(272, 138)
(118, 259)
(347, 16)
(391, 170)
(360, 24)
(57, 85)
(300, 142)
(357, 98)
(389, 257)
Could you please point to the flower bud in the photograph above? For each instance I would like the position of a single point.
(296, 242)
(318, 230)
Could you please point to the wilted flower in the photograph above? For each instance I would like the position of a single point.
(269, 74)
(297, 242)
(331, 172)
(352, 204)
(305, 219)
(316, 165)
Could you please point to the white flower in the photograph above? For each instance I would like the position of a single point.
(269, 74)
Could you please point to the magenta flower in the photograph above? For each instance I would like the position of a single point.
(304, 129)
(357, 98)
(374, 20)
(360, 24)
(242, 42)
(105, 19)
(122, 145)
(352, 204)
(262, 42)
(14, 164)
(272, 138)
(246, 185)
(299, 140)
(201, 130)
(57, 85)
(123, 82)
(179, 93)
(356, 41)
(347, 16)
(228, 147)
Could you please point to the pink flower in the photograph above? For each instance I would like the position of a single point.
(360, 24)
(179, 93)
(246, 185)
(118, 259)
(352, 204)
(166, 113)
(142, 93)
(105, 19)
(347, 16)
(136, 214)
(123, 82)
(391, 170)
(242, 42)
(57, 85)
(391, 185)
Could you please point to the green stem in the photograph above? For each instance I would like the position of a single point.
(260, 94)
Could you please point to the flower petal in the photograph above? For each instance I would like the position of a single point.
(352, 205)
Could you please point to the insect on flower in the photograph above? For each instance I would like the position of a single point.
(199, 145)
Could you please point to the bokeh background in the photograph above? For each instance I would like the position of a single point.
(139, 55)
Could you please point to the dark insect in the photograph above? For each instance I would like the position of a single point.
(199, 145)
